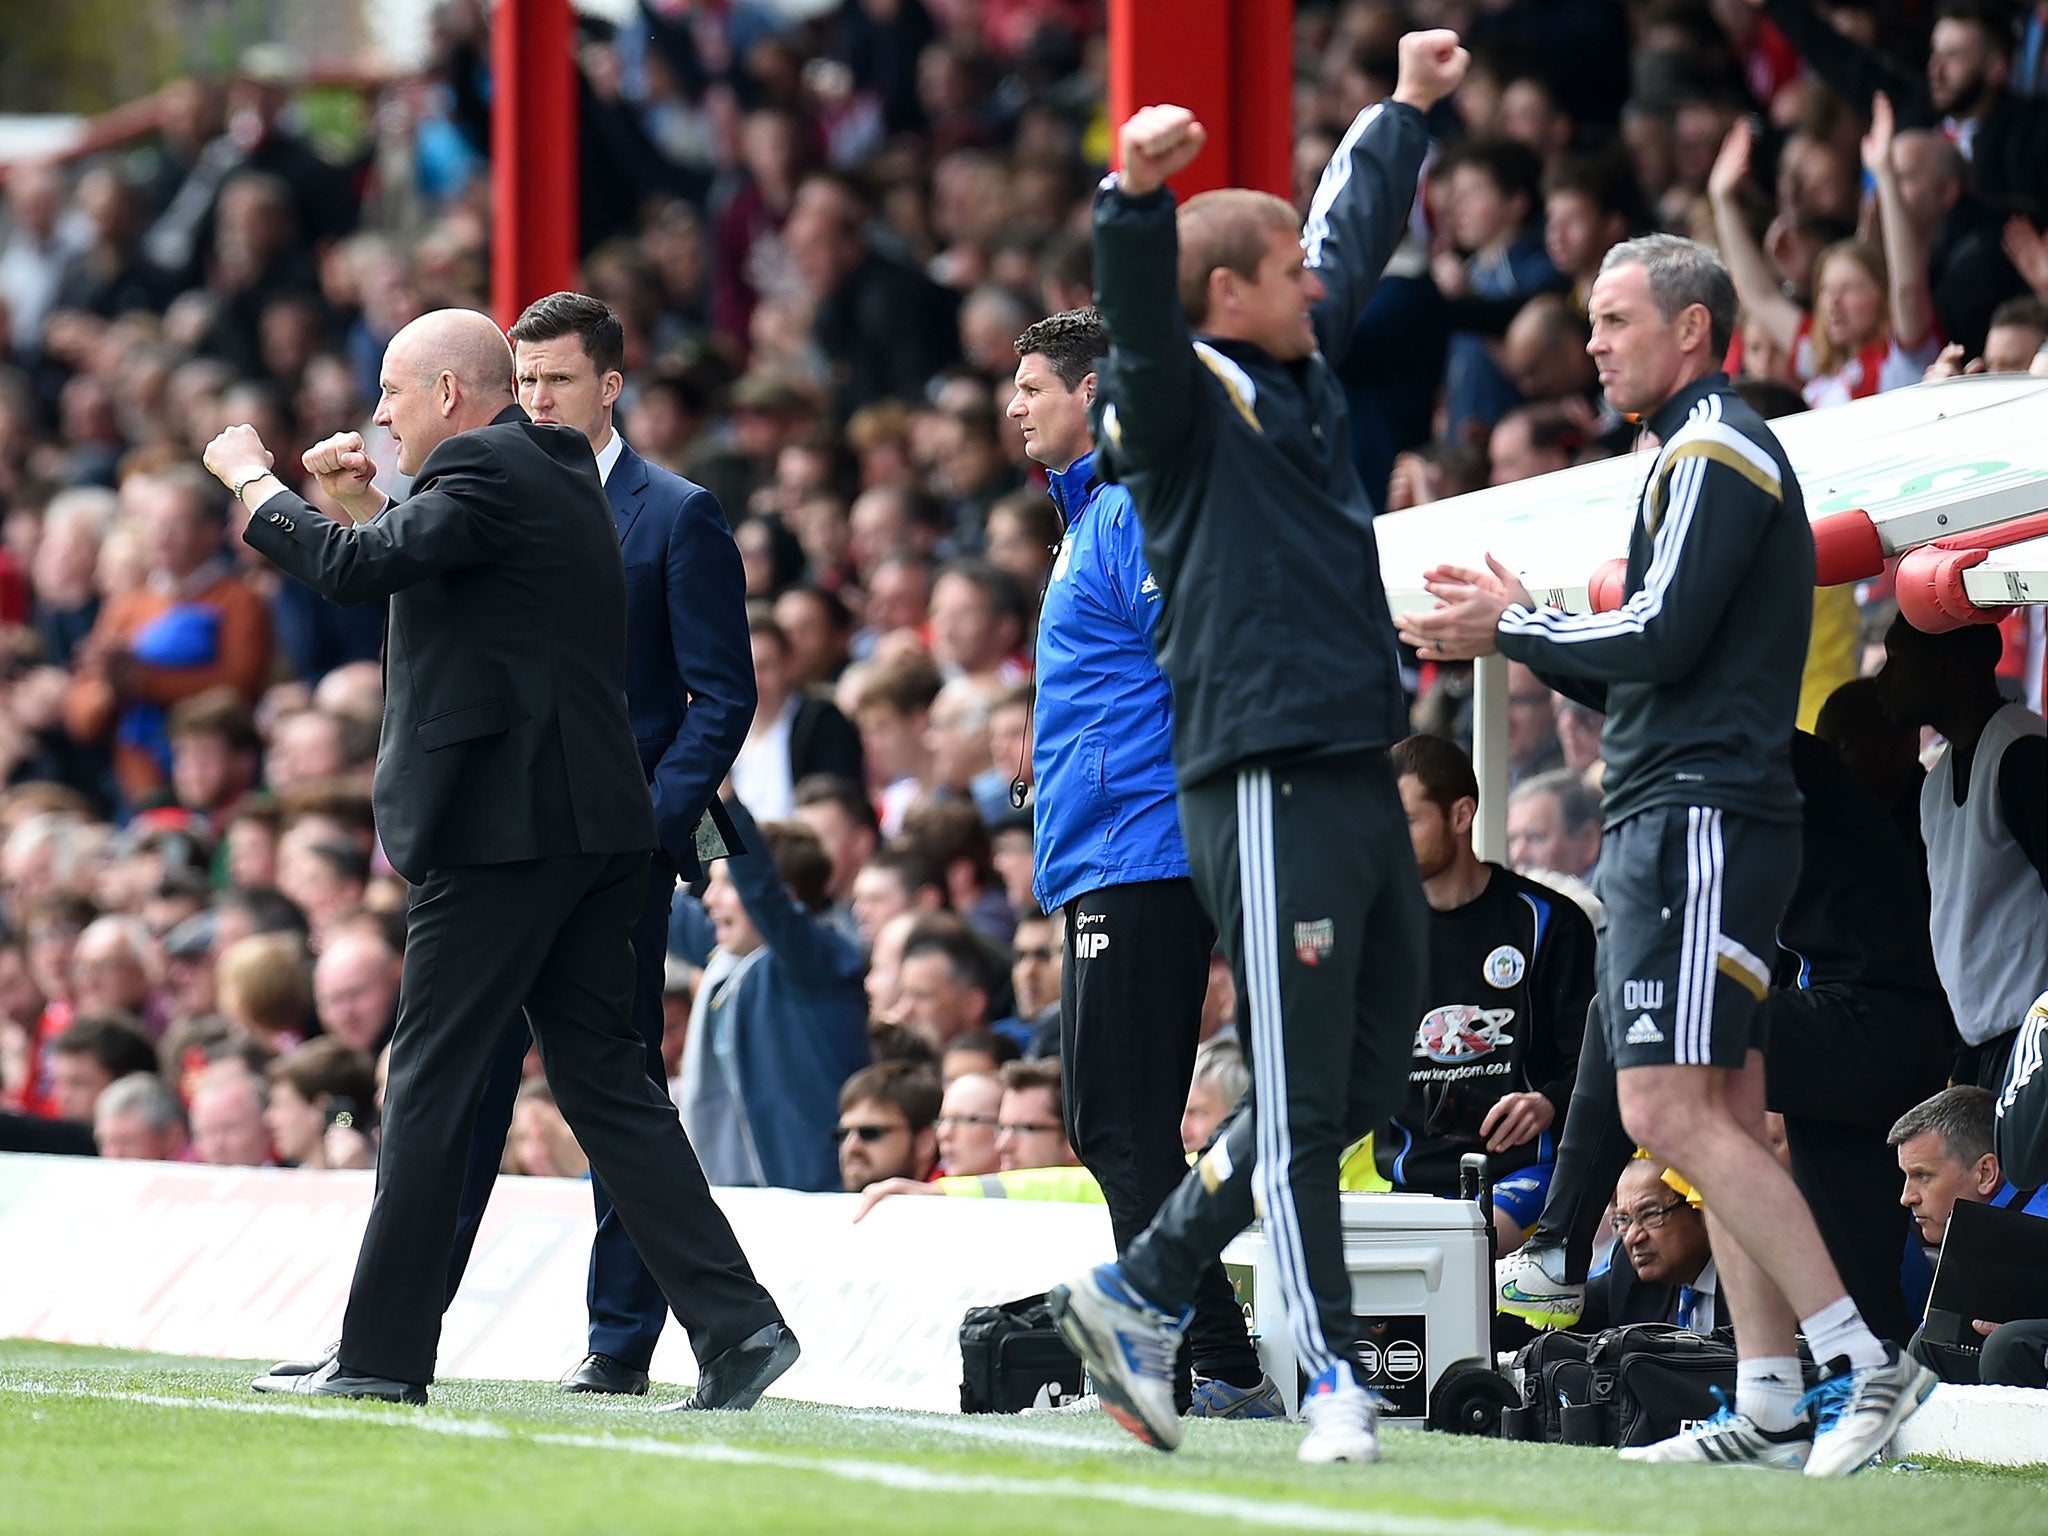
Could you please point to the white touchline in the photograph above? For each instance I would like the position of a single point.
(885, 1474)
(978, 1428)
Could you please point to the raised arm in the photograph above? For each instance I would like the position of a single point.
(1755, 285)
(1362, 204)
(1151, 376)
(1905, 253)
(458, 516)
(808, 945)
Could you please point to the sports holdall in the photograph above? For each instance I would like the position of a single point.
(1632, 1385)
(1012, 1358)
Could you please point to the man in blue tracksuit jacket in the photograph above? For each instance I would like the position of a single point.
(1108, 851)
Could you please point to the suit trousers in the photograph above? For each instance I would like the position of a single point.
(554, 934)
(1306, 865)
(627, 1309)
(1134, 975)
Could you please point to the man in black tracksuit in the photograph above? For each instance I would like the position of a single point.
(1275, 635)
(1698, 672)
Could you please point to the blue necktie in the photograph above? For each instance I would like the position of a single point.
(1688, 1303)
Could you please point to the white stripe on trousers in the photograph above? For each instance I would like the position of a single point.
(1272, 1174)
(1699, 938)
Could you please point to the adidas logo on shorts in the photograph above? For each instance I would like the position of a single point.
(1644, 1032)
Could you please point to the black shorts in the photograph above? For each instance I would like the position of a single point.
(1694, 897)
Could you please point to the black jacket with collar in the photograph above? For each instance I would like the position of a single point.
(1698, 671)
(1273, 629)
(505, 728)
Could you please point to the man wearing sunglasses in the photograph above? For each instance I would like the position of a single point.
(886, 1125)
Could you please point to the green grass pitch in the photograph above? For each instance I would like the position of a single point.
(101, 1441)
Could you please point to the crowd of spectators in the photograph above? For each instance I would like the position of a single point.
(823, 238)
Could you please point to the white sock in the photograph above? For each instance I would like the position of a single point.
(1838, 1330)
(1767, 1391)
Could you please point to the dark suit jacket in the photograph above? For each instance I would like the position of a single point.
(505, 732)
(689, 664)
(1619, 1295)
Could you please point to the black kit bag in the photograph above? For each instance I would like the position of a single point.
(1012, 1357)
(1634, 1384)
(1654, 1380)
(1557, 1392)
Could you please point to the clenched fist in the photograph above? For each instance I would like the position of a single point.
(1432, 66)
(340, 465)
(236, 454)
(1156, 143)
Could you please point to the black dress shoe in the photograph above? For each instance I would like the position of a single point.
(305, 1367)
(736, 1379)
(603, 1373)
(330, 1380)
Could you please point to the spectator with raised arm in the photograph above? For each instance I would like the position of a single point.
(1871, 325)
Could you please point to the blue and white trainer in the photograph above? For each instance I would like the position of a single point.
(1218, 1399)
(1856, 1413)
(1730, 1439)
(1343, 1420)
(1129, 1347)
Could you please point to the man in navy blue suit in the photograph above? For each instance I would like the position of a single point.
(690, 694)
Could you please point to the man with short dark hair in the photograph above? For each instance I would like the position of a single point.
(892, 709)
(1698, 672)
(946, 988)
(978, 621)
(1108, 854)
(1497, 1039)
(215, 753)
(819, 628)
(1031, 1129)
(885, 1129)
(93, 1052)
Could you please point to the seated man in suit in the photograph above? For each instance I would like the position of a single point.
(1662, 1269)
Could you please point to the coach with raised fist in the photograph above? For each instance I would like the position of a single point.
(510, 794)
(1226, 420)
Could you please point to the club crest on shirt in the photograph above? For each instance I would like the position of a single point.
(1314, 939)
(1504, 967)
(1460, 1032)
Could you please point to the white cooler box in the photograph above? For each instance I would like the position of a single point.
(1421, 1284)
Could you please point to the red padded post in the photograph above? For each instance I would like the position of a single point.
(1231, 63)
(533, 154)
